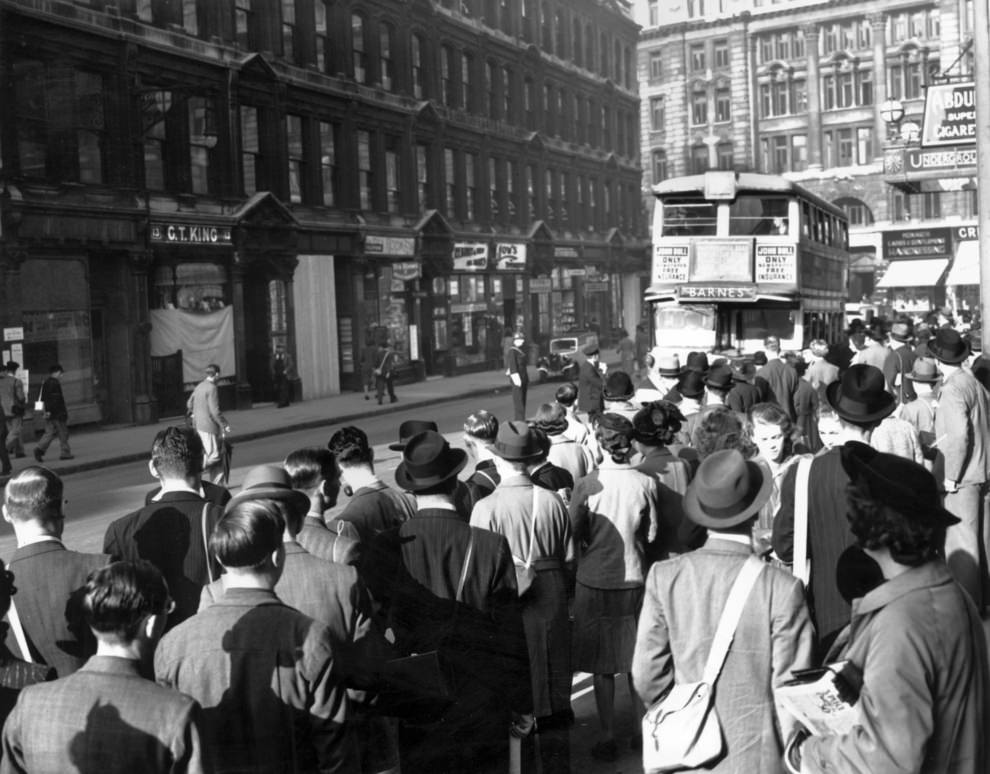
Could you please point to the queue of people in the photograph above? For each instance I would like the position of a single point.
(434, 623)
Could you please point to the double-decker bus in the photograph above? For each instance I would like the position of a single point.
(737, 256)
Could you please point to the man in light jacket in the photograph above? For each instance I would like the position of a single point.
(204, 407)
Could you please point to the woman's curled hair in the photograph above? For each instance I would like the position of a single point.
(615, 433)
(911, 541)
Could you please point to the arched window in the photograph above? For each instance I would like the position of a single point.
(576, 50)
(417, 60)
(858, 212)
(603, 53)
(589, 47)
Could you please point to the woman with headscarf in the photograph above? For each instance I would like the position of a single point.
(614, 517)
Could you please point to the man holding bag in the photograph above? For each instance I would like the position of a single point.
(685, 600)
(56, 416)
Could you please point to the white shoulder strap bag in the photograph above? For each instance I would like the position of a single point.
(802, 565)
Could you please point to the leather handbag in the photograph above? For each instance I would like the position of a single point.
(682, 730)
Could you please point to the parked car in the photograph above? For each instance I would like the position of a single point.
(561, 359)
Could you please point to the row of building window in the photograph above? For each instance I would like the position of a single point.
(549, 25)
(700, 159)
(487, 87)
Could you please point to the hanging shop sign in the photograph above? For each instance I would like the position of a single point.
(406, 270)
(190, 234)
(950, 114)
(510, 256)
(470, 256)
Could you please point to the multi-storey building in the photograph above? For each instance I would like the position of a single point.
(798, 88)
(200, 180)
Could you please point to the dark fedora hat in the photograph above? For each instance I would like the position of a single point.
(516, 441)
(720, 377)
(923, 370)
(743, 369)
(861, 395)
(948, 346)
(897, 482)
(618, 386)
(408, 429)
(590, 349)
(691, 384)
(727, 490)
(269, 482)
(428, 460)
(696, 361)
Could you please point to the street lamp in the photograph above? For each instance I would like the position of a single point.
(892, 112)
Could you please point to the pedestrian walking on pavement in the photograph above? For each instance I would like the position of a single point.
(369, 360)
(283, 374)
(516, 370)
(56, 416)
(13, 403)
(204, 408)
(385, 373)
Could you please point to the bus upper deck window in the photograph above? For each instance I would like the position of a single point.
(694, 217)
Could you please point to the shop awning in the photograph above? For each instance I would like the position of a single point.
(966, 265)
(913, 274)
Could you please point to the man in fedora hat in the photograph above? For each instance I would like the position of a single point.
(860, 401)
(442, 559)
(917, 639)
(329, 592)
(920, 412)
(374, 507)
(591, 381)
(660, 378)
(537, 527)
(618, 395)
(408, 429)
(961, 423)
(876, 353)
(683, 603)
(518, 373)
(718, 384)
(901, 333)
(842, 353)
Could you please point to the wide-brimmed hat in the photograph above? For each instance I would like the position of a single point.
(696, 361)
(618, 386)
(948, 346)
(669, 365)
(923, 370)
(551, 418)
(590, 349)
(410, 428)
(727, 490)
(428, 460)
(720, 377)
(897, 482)
(269, 482)
(901, 331)
(861, 395)
(516, 441)
(691, 384)
(743, 369)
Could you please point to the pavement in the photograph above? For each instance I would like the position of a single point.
(99, 446)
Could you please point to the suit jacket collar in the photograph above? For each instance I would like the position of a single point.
(112, 665)
(438, 513)
(928, 575)
(377, 486)
(715, 544)
(238, 597)
(293, 547)
(37, 549)
(177, 497)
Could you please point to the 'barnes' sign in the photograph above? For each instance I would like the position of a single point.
(950, 114)
(190, 234)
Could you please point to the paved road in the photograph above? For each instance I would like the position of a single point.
(94, 498)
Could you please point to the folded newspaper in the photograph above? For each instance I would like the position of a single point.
(823, 700)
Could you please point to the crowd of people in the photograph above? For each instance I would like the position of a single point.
(432, 623)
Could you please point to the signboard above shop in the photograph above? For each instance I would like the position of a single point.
(510, 256)
(402, 247)
(950, 114)
(190, 234)
(470, 256)
(917, 244)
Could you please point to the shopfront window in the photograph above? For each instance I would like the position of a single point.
(192, 287)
